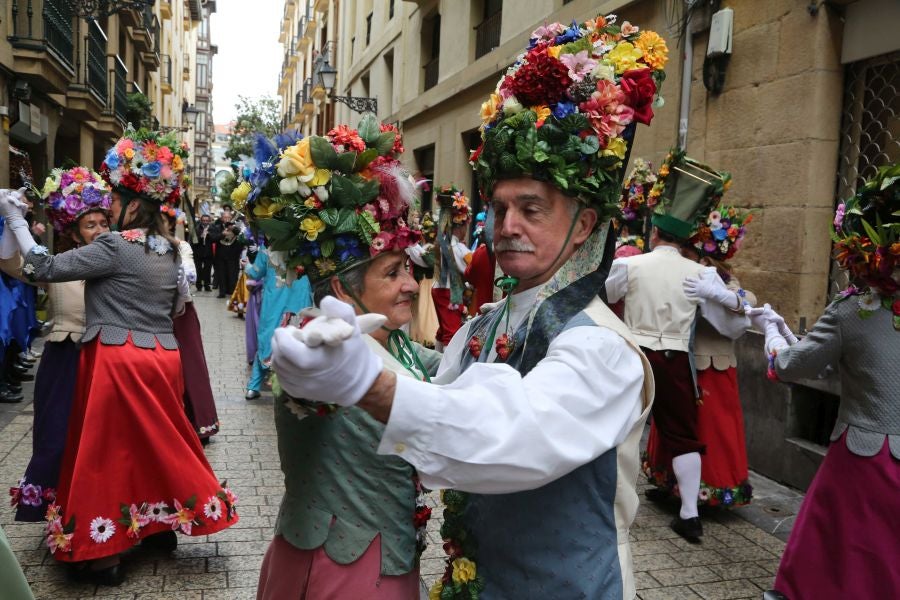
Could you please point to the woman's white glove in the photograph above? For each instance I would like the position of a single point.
(16, 236)
(341, 373)
(709, 287)
(761, 316)
(417, 253)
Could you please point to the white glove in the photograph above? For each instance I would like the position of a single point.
(339, 374)
(775, 342)
(417, 252)
(710, 288)
(16, 236)
(333, 331)
(760, 317)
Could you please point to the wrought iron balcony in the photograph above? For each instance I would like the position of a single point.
(165, 74)
(95, 62)
(44, 25)
(120, 96)
(487, 34)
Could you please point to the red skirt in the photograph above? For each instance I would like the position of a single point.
(132, 465)
(720, 426)
(449, 319)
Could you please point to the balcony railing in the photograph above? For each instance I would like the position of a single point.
(431, 73)
(298, 101)
(95, 62)
(41, 25)
(166, 71)
(120, 90)
(487, 34)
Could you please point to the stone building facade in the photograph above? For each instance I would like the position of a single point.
(808, 108)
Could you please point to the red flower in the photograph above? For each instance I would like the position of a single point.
(347, 137)
(475, 347)
(452, 549)
(503, 346)
(398, 141)
(895, 307)
(541, 80)
(640, 88)
(133, 182)
(421, 516)
(473, 158)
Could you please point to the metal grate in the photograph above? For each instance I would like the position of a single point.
(870, 130)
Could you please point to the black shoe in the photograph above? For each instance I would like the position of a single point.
(252, 395)
(207, 289)
(773, 595)
(111, 576)
(204, 442)
(10, 397)
(9, 386)
(690, 529)
(17, 376)
(656, 495)
(166, 541)
(17, 368)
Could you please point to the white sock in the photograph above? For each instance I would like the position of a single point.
(687, 472)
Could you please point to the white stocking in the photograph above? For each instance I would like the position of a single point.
(687, 472)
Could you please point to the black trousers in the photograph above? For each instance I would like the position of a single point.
(204, 268)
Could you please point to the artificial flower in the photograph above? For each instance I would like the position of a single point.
(640, 88)
(542, 79)
(435, 592)
(346, 138)
(102, 529)
(240, 193)
(512, 106)
(53, 513)
(296, 161)
(158, 511)
(839, 216)
(489, 108)
(604, 70)
(213, 508)
(579, 64)
(627, 29)
(137, 518)
(617, 147)
(869, 301)
(182, 519)
(625, 56)
(463, 570)
(57, 539)
(654, 49)
(31, 495)
(311, 226)
(542, 112)
(325, 266)
(320, 178)
(475, 345)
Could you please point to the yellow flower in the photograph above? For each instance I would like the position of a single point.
(624, 56)
(463, 570)
(554, 51)
(297, 161)
(239, 194)
(129, 153)
(654, 49)
(616, 147)
(542, 111)
(312, 226)
(664, 171)
(265, 208)
(50, 186)
(435, 592)
(177, 163)
(489, 108)
(640, 243)
(321, 177)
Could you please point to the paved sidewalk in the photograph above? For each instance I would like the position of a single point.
(736, 560)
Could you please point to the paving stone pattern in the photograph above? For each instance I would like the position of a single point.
(736, 560)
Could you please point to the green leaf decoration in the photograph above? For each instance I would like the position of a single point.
(191, 502)
(344, 191)
(897, 322)
(70, 526)
(126, 512)
(385, 143)
(369, 191)
(369, 129)
(329, 216)
(327, 247)
(276, 229)
(870, 231)
(346, 221)
(365, 157)
(286, 244)
(865, 314)
(367, 227)
(345, 162)
(590, 144)
(322, 152)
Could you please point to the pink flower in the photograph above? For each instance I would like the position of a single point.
(31, 495)
(138, 518)
(547, 31)
(607, 110)
(579, 64)
(382, 242)
(164, 155)
(839, 216)
(57, 539)
(182, 518)
(628, 29)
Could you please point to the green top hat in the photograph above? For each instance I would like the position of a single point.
(688, 190)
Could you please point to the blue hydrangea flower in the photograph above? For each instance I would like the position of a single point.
(151, 169)
(564, 109)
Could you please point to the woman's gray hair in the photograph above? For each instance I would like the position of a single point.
(353, 278)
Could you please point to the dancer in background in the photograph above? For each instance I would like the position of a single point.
(449, 286)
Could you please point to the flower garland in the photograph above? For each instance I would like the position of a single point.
(70, 193)
(721, 236)
(564, 111)
(30, 494)
(461, 579)
(636, 203)
(869, 301)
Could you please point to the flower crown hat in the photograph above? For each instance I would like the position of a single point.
(335, 201)
(454, 204)
(636, 203)
(147, 164)
(685, 192)
(720, 236)
(565, 111)
(866, 233)
(72, 193)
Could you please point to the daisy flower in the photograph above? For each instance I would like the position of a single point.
(102, 529)
(870, 301)
(213, 508)
(158, 512)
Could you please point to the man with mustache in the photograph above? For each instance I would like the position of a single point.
(536, 413)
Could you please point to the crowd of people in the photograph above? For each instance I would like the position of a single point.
(514, 365)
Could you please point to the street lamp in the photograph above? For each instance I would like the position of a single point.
(328, 76)
(89, 9)
(188, 114)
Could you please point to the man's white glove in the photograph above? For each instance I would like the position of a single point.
(333, 331)
(16, 236)
(335, 374)
(710, 288)
(762, 316)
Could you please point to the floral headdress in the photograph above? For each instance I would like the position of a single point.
(684, 193)
(565, 111)
(70, 193)
(722, 234)
(637, 204)
(147, 163)
(173, 213)
(866, 231)
(332, 202)
(453, 200)
(428, 227)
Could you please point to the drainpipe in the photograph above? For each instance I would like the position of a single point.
(687, 66)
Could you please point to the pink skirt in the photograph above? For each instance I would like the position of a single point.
(845, 543)
(289, 572)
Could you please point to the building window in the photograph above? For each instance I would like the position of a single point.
(431, 45)
(425, 164)
(487, 33)
(368, 28)
(391, 10)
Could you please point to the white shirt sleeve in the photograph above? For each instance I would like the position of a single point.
(617, 281)
(494, 431)
(730, 323)
(187, 261)
(460, 252)
(416, 254)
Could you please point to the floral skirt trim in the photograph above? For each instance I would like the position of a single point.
(729, 497)
(208, 429)
(31, 497)
(190, 517)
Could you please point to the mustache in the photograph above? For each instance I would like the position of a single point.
(512, 245)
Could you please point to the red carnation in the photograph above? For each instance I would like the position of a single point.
(541, 80)
(132, 182)
(895, 307)
(640, 88)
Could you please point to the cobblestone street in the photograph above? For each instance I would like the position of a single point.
(736, 560)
